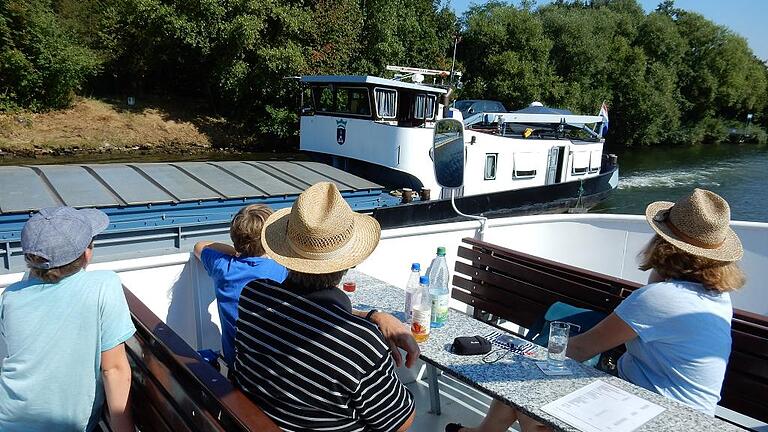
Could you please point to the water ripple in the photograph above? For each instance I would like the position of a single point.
(695, 176)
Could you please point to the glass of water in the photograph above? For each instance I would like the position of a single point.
(558, 343)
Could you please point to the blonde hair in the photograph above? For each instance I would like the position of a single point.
(671, 262)
(245, 231)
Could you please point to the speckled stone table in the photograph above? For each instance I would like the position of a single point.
(515, 379)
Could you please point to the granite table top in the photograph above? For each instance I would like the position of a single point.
(515, 379)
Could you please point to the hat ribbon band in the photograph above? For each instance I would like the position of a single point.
(690, 240)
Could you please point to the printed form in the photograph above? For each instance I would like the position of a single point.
(601, 407)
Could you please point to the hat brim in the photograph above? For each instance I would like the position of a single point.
(98, 220)
(729, 251)
(365, 237)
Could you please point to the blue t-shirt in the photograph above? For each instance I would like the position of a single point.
(683, 343)
(54, 334)
(230, 274)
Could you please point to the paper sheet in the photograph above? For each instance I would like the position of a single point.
(601, 407)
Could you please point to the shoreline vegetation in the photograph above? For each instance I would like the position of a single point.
(214, 76)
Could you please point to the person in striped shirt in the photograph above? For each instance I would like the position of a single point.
(302, 353)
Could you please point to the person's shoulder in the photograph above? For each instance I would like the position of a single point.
(16, 287)
(211, 254)
(104, 276)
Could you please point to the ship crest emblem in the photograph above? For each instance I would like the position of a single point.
(341, 131)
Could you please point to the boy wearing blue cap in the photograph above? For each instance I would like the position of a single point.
(64, 330)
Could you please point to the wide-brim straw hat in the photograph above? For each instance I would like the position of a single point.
(320, 233)
(697, 224)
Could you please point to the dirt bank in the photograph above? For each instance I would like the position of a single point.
(107, 127)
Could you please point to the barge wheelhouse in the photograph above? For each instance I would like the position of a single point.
(382, 129)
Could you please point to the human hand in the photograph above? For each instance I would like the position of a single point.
(397, 335)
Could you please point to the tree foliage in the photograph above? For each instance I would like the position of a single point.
(670, 76)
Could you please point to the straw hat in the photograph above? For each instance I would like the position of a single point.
(320, 233)
(697, 224)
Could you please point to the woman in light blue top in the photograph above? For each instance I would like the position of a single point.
(677, 329)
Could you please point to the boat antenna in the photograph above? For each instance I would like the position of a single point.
(456, 40)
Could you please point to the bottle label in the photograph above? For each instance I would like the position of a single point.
(420, 321)
(440, 309)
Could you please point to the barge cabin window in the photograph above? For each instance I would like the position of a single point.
(386, 103)
(410, 108)
(490, 166)
(352, 101)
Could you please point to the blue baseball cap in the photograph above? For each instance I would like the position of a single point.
(61, 234)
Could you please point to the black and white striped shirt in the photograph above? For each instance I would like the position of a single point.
(312, 365)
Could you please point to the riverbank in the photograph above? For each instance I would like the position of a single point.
(96, 128)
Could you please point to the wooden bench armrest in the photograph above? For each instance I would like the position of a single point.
(183, 387)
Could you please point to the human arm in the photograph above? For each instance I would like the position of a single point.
(608, 333)
(397, 336)
(220, 247)
(116, 373)
(381, 400)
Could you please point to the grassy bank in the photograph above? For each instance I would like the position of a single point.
(94, 127)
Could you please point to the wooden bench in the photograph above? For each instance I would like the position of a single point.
(174, 390)
(519, 287)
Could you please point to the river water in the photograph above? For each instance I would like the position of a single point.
(739, 173)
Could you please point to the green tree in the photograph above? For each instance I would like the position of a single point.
(42, 64)
(506, 56)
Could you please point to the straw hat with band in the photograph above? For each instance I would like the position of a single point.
(320, 233)
(697, 224)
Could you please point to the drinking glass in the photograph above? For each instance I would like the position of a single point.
(558, 343)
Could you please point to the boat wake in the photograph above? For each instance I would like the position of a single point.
(693, 176)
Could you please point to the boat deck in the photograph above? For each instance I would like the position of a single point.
(164, 206)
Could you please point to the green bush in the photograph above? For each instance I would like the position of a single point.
(42, 65)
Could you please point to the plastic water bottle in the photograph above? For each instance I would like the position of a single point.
(410, 290)
(422, 308)
(438, 288)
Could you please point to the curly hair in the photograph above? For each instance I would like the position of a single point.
(671, 262)
(245, 231)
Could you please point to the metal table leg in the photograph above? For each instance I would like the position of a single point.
(434, 389)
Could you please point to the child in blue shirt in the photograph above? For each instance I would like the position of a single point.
(231, 268)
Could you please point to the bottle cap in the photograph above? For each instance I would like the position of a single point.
(424, 280)
(415, 267)
(349, 287)
(441, 251)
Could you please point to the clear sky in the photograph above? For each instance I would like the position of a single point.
(748, 18)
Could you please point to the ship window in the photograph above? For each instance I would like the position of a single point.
(324, 99)
(490, 166)
(343, 100)
(424, 106)
(524, 165)
(386, 103)
(430, 108)
(595, 157)
(525, 174)
(580, 163)
(352, 101)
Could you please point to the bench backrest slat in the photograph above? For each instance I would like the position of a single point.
(507, 274)
(525, 311)
(520, 288)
